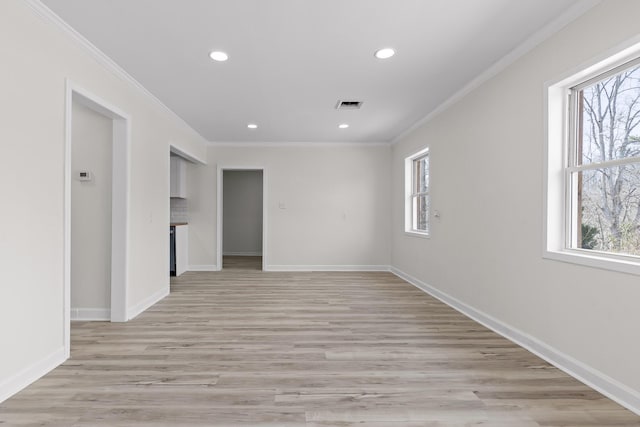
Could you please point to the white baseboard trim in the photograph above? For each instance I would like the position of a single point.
(327, 268)
(242, 254)
(613, 389)
(143, 305)
(30, 374)
(204, 267)
(89, 314)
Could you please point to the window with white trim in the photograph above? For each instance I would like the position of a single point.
(603, 165)
(417, 193)
(593, 165)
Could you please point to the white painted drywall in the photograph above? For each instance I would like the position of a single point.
(37, 58)
(91, 151)
(487, 182)
(335, 204)
(242, 212)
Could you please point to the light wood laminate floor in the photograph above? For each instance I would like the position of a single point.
(252, 348)
(230, 262)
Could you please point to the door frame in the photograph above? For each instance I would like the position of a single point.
(219, 211)
(120, 188)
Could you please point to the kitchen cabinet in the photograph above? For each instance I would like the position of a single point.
(178, 177)
(182, 248)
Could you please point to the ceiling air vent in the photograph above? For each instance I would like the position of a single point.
(348, 105)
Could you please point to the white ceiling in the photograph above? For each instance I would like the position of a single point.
(290, 61)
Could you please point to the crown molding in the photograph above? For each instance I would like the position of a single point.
(49, 16)
(318, 144)
(556, 25)
(570, 15)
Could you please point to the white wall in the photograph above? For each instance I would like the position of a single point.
(336, 204)
(37, 57)
(242, 212)
(91, 211)
(486, 177)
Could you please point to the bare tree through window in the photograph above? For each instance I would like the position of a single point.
(417, 169)
(606, 172)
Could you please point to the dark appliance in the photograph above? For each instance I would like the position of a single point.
(172, 250)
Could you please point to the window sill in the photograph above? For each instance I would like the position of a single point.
(596, 260)
(416, 234)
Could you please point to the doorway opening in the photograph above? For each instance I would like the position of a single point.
(97, 145)
(241, 218)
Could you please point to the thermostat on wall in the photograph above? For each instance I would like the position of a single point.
(85, 176)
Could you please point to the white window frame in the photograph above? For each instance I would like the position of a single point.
(558, 242)
(411, 194)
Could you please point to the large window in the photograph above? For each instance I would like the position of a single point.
(603, 167)
(593, 165)
(417, 193)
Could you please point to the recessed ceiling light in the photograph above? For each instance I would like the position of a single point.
(219, 56)
(343, 126)
(384, 53)
(252, 126)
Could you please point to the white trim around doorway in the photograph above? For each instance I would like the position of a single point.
(219, 219)
(120, 204)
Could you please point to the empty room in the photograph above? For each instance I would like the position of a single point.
(371, 213)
